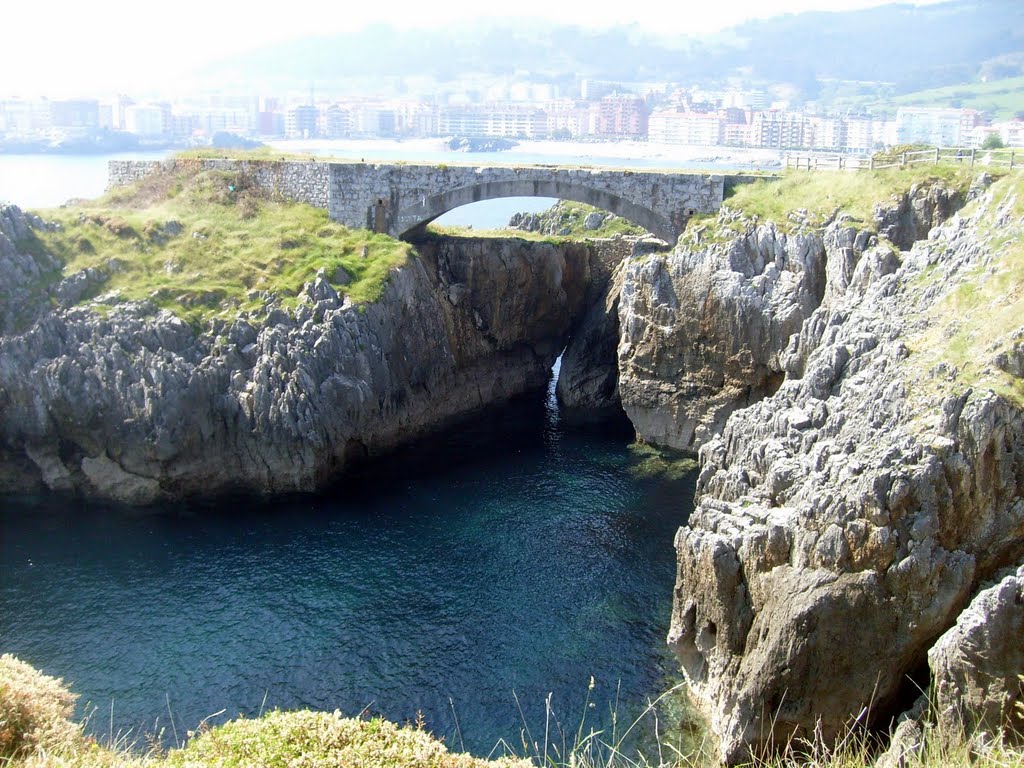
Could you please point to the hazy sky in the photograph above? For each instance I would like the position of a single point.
(73, 47)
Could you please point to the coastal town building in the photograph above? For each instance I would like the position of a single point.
(150, 120)
(674, 126)
(939, 127)
(661, 113)
(300, 121)
(621, 116)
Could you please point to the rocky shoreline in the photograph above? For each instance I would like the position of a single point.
(128, 402)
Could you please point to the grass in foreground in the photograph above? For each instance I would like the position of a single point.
(205, 244)
(36, 730)
(320, 739)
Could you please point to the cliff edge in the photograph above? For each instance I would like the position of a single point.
(855, 395)
(137, 363)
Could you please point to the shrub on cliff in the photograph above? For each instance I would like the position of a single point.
(35, 712)
(323, 739)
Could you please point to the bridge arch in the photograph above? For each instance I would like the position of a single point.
(414, 214)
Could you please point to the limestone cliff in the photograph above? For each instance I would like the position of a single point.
(844, 520)
(703, 328)
(133, 404)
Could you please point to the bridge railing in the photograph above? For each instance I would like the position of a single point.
(969, 156)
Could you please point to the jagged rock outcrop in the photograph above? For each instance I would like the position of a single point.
(21, 273)
(911, 217)
(843, 522)
(703, 328)
(136, 406)
(567, 218)
(977, 665)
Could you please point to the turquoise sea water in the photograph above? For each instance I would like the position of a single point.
(466, 578)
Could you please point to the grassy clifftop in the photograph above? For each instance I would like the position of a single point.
(818, 194)
(208, 244)
(978, 313)
(982, 317)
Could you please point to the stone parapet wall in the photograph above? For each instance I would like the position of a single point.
(297, 181)
(121, 173)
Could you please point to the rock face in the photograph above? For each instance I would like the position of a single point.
(703, 328)
(565, 218)
(589, 376)
(135, 406)
(915, 213)
(843, 522)
(20, 272)
(976, 665)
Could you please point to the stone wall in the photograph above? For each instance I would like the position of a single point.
(121, 173)
(298, 181)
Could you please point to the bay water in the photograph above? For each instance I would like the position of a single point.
(466, 580)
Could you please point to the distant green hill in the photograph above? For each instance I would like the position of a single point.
(909, 47)
(1002, 99)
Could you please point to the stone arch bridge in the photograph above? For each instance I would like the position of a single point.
(401, 198)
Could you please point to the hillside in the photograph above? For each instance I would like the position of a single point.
(911, 47)
(1002, 99)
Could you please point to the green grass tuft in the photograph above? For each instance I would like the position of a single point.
(311, 739)
(206, 244)
(35, 712)
(976, 319)
(822, 193)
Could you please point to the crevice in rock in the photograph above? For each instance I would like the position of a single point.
(916, 683)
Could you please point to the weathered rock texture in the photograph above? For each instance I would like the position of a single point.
(843, 522)
(589, 375)
(135, 406)
(588, 379)
(21, 274)
(703, 328)
(977, 665)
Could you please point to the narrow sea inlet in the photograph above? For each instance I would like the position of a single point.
(464, 578)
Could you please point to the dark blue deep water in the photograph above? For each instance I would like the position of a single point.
(508, 558)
